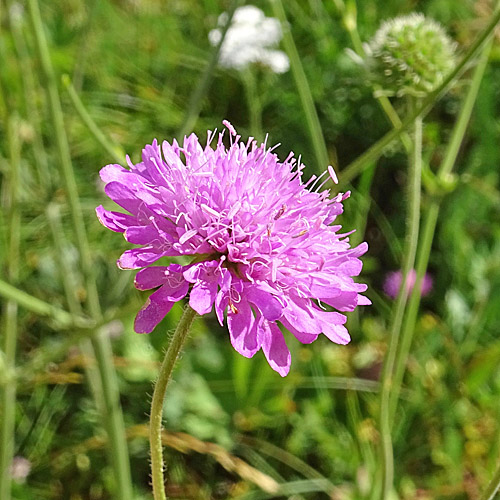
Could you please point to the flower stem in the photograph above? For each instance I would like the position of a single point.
(101, 344)
(9, 323)
(409, 252)
(314, 126)
(430, 226)
(254, 104)
(155, 426)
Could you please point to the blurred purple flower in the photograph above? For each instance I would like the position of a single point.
(392, 283)
(262, 245)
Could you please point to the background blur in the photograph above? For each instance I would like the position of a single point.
(136, 67)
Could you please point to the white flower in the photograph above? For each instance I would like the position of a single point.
(251, 38)
(276, 60)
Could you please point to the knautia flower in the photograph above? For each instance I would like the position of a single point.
(263, 250)
(393, 280)
(410, 55)
(251, 38)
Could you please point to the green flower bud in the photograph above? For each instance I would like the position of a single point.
(410, 55)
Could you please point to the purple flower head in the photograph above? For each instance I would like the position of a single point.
(392, 283)
(262, 245)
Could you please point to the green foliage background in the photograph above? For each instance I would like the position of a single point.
(134, 65)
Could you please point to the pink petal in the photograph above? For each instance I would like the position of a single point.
(156, 308)
(270, 307)
(364, 301)
(114, 172)
(123, 196)
(274, 347)
(222, 299)
(115, 221)
(152, 277)
(202, 296)
(139, 257)
(156, 170)
(337, 333)
(142, 235)
(303, 337)
(347, 301)
(332, 326)
(298, 312)
(243, 330)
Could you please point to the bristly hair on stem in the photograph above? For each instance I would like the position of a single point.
(156, 415)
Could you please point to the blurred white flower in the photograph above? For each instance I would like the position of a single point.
(16, 12)
(251, 38)
(276, 60)
(20, 469)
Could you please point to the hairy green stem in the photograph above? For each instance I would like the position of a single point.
(409, 252)
(155, 426)
(313, 124)
(363, 161)
(194, 105)
(113, 150)
(429, 227)
(101, 344)
(9, 323)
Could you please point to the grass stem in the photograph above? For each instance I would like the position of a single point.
(113, 150)
(174, 347)
(101, 344)
(311, 115)
(38, 306)
(32, 111)
(254, 104)
(429, 227)
(70, 285)
(194, 105)
(10, 317)
(409, 252)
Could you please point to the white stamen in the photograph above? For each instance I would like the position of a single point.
(234, 210)
(187, 235)
(333, 175)
(209, 210)
(316, 181)
(318, 189)
(274, 270)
